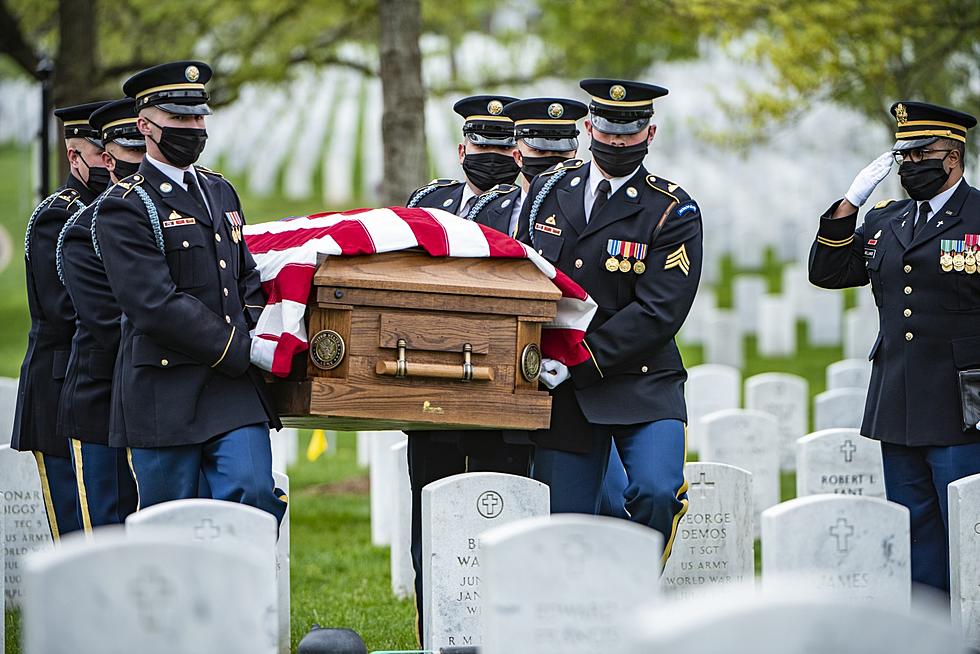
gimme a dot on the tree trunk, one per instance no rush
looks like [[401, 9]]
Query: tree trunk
[[75, 72], [403, 119]]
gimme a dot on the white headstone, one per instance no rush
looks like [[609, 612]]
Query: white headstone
[[695, 326], [747, 292], [402, 572], [363, 449], [156, 595], [383, 484], [282, 568], [456, 511], [714, 544], [841, 462], [285, 447], [777, 327], [839, 408], [860, 331], [964, 556], [796, 288], [566, 584], [3, 559], [723, 340], [25, 522], [854, 547], [786, 397], [849, 373], [8, 406], [709, 388], [823, 312], [749, 440]]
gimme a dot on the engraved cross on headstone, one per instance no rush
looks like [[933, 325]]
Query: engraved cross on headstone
[[842, 531], [848, 449], [151, 592], [703, 485], [207, 530]]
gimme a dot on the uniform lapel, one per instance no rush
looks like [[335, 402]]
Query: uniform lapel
[[495, 217], [209, 187], [171, 194], [946, 217], [902, 225], [456, 196], [620, 204], [571, 200]]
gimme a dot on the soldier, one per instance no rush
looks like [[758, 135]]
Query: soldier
[[53, 321], [920, 256], [174, 255], [633, 241], [487, 158], [106, 490]]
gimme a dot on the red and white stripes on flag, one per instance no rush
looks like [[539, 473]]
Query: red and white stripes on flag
[[286, 254]]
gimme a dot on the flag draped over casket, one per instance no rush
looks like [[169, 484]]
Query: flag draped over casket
[[286, 253]]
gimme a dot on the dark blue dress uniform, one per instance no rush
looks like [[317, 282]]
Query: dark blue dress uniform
[[929, 331], [42, 374], [492, 208], [639, 257], [102, 471], [185, 399]]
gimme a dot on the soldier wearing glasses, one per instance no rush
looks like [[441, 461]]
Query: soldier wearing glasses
[[920, 256]]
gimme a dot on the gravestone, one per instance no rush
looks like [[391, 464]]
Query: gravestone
[[747, 293], [402, 572], [860, 331], [849, 373], [841, 462], [25, 524], [456, 511], [964, 556], [838, 409], [152, 595], [709, 388], [566, 584], [282, 568], [824, 312], [723, 340], [777, 327], [714, 544], [796, 288], [748, 440], [856, 548], [3, 559], [384, 486], [285, 447], [8, 406], [363, 449], [785, 397], [693, 331]]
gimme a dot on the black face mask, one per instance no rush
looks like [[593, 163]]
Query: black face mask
[[487, 169], [923, 179], [124, 169], [181, 145], [618, 161], [98, 178], [534, 166]]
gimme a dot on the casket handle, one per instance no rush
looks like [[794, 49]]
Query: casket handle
[[402, 368]]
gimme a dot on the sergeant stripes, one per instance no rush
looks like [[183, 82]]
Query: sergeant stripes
[[678, 259]]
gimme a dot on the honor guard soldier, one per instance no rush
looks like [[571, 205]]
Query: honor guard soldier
[[633, 241], [487, 157], [920, 256], [53, 321], [186, 400], [106, 490]]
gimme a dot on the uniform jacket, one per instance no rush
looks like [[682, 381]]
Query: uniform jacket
[[189, 294], [52, 325], [928, 320], [635, 373], [492, 208]]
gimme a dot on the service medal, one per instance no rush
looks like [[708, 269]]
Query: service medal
[[612, 264], [625, 266], [945, 256], [639, 267], [958, 262]]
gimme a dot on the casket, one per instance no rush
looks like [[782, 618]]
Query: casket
[[407, 341]]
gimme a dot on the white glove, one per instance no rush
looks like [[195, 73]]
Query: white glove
[[553, 372], [864, 184]]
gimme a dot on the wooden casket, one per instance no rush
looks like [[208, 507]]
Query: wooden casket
[[408, 341]]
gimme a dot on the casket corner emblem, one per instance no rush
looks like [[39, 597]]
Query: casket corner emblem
[[531, 362], [327, 349]]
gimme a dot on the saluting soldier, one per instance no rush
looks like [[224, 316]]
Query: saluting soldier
[[920, 256], [185, 399], [487, 157], [106, 490], [633, 241], [53, 321]]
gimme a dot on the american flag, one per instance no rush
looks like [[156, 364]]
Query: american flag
[[286, 253]]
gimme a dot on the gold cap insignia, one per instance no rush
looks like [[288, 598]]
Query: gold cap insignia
[[192, 73], [555, 110], [617, 92], [902, 114], [495, 107]]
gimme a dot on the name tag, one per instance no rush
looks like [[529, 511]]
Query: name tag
[[547, 229], [179, 221], [869, 253]]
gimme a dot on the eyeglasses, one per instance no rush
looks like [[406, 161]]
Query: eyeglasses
[[916, 155]]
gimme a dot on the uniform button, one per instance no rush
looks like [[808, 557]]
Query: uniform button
[[908, 289], [644, 369], [908, 336], [228, 319], [907, 312], [908, 268], [186, 244], [578, 263], [540, 251], [225, 291], [224, 265], [217, 237], [164, 362]]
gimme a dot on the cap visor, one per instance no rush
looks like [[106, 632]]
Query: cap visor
[[96, 142], [912, 144], [130, 144], [552, 145], [185, 109], [497, 141], [607, 126]]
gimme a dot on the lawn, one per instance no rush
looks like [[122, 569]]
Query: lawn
[[338, 577]]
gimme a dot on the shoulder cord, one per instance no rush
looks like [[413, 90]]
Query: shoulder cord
[[30, 221], [154, 217], [538, 199]]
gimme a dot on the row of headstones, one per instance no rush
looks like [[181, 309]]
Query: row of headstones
[[712, 388], [159, 588]]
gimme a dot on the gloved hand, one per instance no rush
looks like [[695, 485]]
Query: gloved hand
[[553, 372], [864, 184]]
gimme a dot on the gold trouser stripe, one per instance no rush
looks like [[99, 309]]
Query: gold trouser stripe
[[680, 514], [132, 471], [76, 448], [227, 345], [594, 362], [835, 244], [46, 492]]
